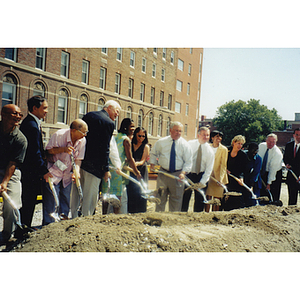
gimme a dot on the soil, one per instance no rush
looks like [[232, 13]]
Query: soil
[[266, 228]]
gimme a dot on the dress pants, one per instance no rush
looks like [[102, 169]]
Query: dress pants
[[198, 204], [275, 186], [172, 188], [14, 191], [293, 188], [49, 203]]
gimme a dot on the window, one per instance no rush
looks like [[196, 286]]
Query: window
[[150, 124], [161, 99], [163, 74], [164, 54], [170, 102], [152, 95], [85, 72], [188, 89], [9, 90], [62, 106], [180, 64], [179, 85], [11, 53], [159, 128], [132, 59], [39, 89], [102, 78], [100, 104], [129, 112], [64, 64], [185, 129], [82, 105], [40, 58], [119, 54], [190, 70], [155, 51], [144, 61], [130, 88], [177, 107], [191, 50], [104, 50], [172, 58], [168, 126], [187, 110], [142, 92], [117, 83], [140, 118], [154, 70]]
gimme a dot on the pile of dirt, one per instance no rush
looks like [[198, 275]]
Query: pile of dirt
[[257, 229]]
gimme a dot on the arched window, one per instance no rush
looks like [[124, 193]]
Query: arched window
[[101, 103], [150, 124], [9, 88], [168, 126], [62, 106], [39, 89], [82, 105], [140, 118], [129, 112], [159, 128]]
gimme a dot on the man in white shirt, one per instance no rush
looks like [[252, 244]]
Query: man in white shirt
[[271, 171], [203, 163], [161, 154]]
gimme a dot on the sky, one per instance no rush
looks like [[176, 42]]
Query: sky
[[271, 75]]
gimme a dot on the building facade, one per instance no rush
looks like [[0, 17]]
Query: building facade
[[153, 86]]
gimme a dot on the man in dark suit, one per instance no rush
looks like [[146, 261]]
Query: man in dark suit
[[291, 159], [34, 167], [95, 163]]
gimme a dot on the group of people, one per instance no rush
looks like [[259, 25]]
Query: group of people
[[103, 162]]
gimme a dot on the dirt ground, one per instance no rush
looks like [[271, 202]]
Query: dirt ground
[[257, 229]]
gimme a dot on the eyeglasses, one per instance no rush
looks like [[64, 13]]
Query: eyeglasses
[[141, 136], [84, 133]]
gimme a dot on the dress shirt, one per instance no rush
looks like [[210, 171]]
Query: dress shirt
[[274, 162], [39, 122], [114, 153], [207, 159], [160, 153], [62, 138]]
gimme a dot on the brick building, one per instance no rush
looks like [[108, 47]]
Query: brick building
[[154, 86]]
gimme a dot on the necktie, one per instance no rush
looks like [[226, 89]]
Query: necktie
[[295, 150], [198, 160], [264, 163], [172, 158]]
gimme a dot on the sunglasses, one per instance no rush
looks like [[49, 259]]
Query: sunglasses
[[141, 136]]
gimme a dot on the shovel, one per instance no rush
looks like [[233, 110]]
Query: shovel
[[145, 193], [78, 185], [55, 214], [23, 228], [226, 194], [294, 175], [111, 198], [188, 182]]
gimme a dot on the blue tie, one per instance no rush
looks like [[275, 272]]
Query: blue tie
[[264, 163], [172, 158]]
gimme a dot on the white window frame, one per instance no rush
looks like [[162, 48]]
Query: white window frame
[[129, 112], [140, 118], [163, 73], [188, 89], [170, 102], [119, 54], [142, 92], [172, 58], [40, 56], [154, 70], [63, 109], [130, 88], [13, 89], [82, 109], [190, 70], [104, 51], [178, 107], [144, 64], [152, 95], [150, 124], [102, 78], [161, 98], [159, 125], [179, 85], [132, 59], [180, 64], [164, 53], [187, 109], [85, 72], [64, 64], [168, 126], [14, 54], [117, 83]]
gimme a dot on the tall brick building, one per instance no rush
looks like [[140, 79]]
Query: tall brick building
[[154, 86]]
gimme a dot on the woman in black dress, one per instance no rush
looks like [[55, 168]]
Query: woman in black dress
[[140, 151]]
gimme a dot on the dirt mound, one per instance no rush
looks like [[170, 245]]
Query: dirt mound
[[257, 229]]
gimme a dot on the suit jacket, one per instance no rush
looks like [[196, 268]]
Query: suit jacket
[[101, 128], [34, 163], [288, 157]]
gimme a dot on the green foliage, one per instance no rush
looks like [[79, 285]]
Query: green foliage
[[251, 119]]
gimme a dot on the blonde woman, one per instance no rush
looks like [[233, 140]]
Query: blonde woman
[[214, 190]]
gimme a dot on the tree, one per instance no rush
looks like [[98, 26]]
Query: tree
[[251, 119]]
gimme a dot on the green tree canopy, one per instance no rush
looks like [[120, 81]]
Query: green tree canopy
[[251, 119]]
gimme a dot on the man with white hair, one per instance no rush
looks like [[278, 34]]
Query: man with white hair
[[95, 163], [271, 170], [174, 155]]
